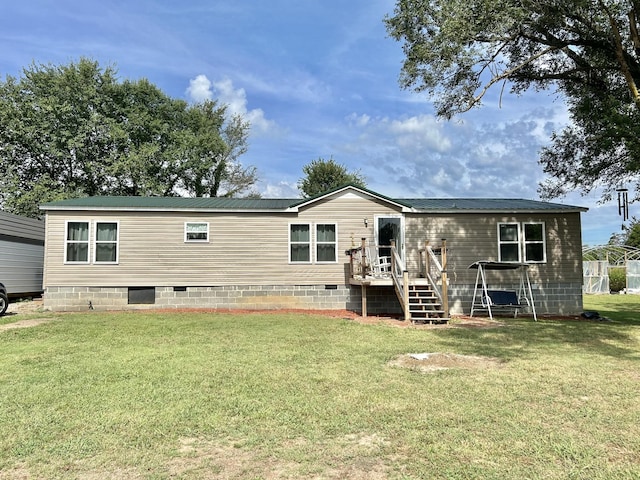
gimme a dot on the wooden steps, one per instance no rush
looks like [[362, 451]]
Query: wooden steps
[[424, 305]]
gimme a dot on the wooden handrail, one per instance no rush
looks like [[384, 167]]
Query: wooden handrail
[[400, 277], [435, 270]]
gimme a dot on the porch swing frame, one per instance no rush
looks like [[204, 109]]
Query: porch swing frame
[[491, 300]]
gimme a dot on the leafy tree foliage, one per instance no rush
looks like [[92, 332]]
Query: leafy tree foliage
[[76, 130], [589, 50], [633, 234], [629, 236], [323, 175]]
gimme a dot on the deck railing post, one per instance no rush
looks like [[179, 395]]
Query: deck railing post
[[351, 271], [427, 260], [405, 294], [445, 294], [393, 257], [363, 257]]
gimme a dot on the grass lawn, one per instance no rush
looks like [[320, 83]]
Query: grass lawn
[[286, 396]]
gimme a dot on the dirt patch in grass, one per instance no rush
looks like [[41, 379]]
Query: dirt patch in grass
[[433, 362], [355, 456], [17, 310], [25, 323], [20, 308]]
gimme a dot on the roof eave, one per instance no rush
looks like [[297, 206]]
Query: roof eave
[[77, 208], [516, 211], [405, 208]]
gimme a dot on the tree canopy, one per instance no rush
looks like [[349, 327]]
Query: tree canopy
[[589, 50], [323, 175], [76, 130]]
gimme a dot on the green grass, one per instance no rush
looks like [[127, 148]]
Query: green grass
[[265, 396]]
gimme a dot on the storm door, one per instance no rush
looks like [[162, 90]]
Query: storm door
[[388, 229]]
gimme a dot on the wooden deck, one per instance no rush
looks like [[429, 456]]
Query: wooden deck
[[423, 305], [422, 298]]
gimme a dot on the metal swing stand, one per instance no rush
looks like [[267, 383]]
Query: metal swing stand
[[491, 300]]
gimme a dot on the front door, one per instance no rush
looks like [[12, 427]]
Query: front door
[[388, 229]]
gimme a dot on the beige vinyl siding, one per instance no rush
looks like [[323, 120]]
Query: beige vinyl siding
[[473, 237], [243, 248], [349, 212], [253, 248]]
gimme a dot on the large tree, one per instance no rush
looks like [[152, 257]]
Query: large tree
[[322, 175], [77, 130], [589, 50]]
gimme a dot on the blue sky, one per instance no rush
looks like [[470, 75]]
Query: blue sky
[[316, 78]]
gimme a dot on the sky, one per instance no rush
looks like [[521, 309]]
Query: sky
[[316, 79]]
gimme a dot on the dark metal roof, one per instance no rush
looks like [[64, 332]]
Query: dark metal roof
[[487, 204], [433, 205], [306, 201], [171, 203]]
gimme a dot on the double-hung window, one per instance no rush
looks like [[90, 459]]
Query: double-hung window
[[77, 242], [518, 242], [106, 243], [534, 243], [326, 243], [300, 243], [196, 232], [313, 243]]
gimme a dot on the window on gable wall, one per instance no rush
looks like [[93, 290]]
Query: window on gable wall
[[77, 242], [534, 242], [299, 243], [326, 243], [522, 242], [106, 243]]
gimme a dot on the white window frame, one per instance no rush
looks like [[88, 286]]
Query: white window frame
[[526, 242], [510, 242], [318, 243], [96, 242], [309, 243], [67, 242], [195, 240], [522, 242]]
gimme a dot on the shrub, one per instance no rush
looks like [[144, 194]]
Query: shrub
[[617, 279]]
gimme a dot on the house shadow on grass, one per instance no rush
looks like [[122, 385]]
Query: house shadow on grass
[[525, 338]]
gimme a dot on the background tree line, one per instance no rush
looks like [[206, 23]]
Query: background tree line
[[77, 130]]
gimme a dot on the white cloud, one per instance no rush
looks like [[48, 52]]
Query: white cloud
[[282, 189], [422, 132], [408, 137], [201, 89], [430, 157]]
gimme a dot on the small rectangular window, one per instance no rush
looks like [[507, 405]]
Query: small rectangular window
[[196, 232], [299, 243], [106, 243], [508, 242], [77, 242], [326, 243]]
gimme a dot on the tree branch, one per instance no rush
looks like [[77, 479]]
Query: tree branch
[[506, 75], [633, 28], [620, 56]]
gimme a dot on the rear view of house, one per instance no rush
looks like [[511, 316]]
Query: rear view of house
[[21, 254], [138, 252]]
